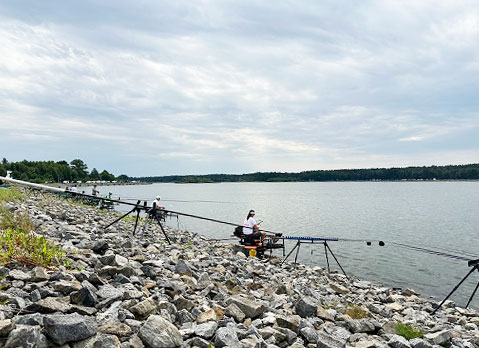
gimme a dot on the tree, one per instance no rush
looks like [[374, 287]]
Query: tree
[[104, 175], [94, 174], [122, 178], [80, 169]]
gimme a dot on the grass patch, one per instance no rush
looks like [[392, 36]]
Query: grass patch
[[356, 312], [11, 195], [133, 219], [19, 221], [25, 247], [408, 332]]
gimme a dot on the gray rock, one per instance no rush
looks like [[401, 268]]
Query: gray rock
[[439, 337], [234, 311], [100, 340], [18, 275], [49, 305], [34, 319], [227, 337], [69, 328], [144, 308], [361, 325], [184, 316], [290, 322], [251, 309], [206, 330], [306, 307], [26, 337], [419, 343], [182, 268], [157, 332], [397, 341], [326, 341], [6, 326], [86, 296], [309, 334]]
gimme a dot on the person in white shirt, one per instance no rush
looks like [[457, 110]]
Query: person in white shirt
[[156, 203], [251, 229]]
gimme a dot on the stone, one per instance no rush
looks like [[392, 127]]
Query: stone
[[361, 325], [69, 328], [206, 330], [309, 334], [323, 314], [396, 307], [235, 312], [251, 309], [439, 337], [397, 341], [100, 247], [182, 268], [66, 287], [306, 307], [39, 274], [18, 275], [144, 308], [116, 328], [109, 292], [227, 337], [100, 340], [26, 336], [208, 315], [158, 332], [326, 341], [290, 322], [86, 296], [419, 343], [49, 305], [6, 326], [339, 289]]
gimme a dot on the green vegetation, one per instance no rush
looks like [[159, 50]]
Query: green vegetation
[[460, 172], [25, 247], [10, 195], [356, 312], [50, 171], [19, 243], [408, 332]]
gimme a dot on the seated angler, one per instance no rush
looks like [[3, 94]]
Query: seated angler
[[251, 229]]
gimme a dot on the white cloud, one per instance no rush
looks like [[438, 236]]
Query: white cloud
[[293, 85]]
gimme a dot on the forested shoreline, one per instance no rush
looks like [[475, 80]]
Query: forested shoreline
[[451, 172], [77, 170], [50, 171]]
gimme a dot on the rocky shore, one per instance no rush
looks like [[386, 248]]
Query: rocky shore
[[137, 291]]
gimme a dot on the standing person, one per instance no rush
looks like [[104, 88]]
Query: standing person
[[94, 191], [251, 229]]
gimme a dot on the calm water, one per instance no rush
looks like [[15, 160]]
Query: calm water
[[442, 214]]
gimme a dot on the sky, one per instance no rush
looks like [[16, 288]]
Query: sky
[[149, 88]]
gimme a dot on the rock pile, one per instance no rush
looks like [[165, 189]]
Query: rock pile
[[137, 291]]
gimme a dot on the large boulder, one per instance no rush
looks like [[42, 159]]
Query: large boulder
[[251, 309], [306, 307], [69, 328], [26, 336], [157, 332]]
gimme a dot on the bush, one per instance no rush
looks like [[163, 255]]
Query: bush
[[356, 312], [408, 332], [26, 247]]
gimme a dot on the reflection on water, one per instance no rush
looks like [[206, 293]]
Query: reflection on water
[[442, 214]]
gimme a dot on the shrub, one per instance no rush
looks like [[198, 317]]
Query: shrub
[[26, 247], [408, 332], [356, 312]]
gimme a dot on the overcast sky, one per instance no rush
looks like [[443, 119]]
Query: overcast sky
[[196, 87]]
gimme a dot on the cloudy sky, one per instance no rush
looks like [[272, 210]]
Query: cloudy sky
[[196, 87]]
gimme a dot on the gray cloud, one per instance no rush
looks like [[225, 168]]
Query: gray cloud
[[179, 87]]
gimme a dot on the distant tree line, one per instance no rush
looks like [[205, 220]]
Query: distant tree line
[[456, 172], [50, 171]]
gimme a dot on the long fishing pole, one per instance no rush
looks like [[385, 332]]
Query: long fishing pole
[[277, 235]]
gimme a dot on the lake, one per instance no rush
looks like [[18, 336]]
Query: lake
[[439, 214]]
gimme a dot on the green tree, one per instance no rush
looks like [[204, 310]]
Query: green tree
[[104, 175], [122, 178], [80, 169], [94, 174]]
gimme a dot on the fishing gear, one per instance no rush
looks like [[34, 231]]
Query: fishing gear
[[475, 266]]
